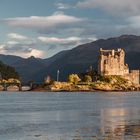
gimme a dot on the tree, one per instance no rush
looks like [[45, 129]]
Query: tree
[[74, 78], [87, 78], [91, 72], [7, 72], [13, 81]]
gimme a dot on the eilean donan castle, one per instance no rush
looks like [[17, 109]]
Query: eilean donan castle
[[112, 62]]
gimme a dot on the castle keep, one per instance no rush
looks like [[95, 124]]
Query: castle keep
[[112, 62]]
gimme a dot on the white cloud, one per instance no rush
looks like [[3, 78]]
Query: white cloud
[[118, 7], [47, 22], [22, 50], [36, 53], [12, 42], [71, 42], [17, 36], [62, 6], [54, 40], [2, 50]]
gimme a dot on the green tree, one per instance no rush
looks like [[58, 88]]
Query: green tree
[[7, 72], [74, 78], [87, 78]]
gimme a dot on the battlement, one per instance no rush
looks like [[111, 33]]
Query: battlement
[[133, 76], [118, 52], [135, 71]]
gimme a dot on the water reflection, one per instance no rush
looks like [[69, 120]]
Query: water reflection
[[120, 123], [115, 124], [66, 116]]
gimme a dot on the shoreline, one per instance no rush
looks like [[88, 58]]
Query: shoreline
[[71, 91], [83, 91], [69, 87]]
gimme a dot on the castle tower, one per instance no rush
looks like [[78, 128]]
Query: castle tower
[[112, 62]]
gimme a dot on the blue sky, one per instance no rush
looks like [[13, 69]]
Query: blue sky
[[41, 28]]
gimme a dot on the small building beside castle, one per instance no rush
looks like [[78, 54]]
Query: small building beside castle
[[112, 62]]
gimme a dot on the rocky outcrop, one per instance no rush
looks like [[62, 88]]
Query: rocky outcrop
[[116, 83], [66, 86]]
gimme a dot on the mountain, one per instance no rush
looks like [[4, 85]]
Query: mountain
[[80, 58], [75, 60], [52, 59], [25, 67], [29, 68]]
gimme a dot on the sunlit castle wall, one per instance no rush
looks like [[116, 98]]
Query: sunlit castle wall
[[133, 76]]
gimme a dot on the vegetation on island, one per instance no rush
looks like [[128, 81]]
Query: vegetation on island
[[8, 74], [10, 81], [74, 78], [88, 81], [8, 71], [114, 83], [91, 81]]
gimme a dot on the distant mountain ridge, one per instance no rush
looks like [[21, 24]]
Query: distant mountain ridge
[[75, 60], [28, 67]]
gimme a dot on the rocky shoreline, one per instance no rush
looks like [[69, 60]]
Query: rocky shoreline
[[113, 86], [91, 87]]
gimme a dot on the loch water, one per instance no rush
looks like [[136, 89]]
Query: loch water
[[69, 116]]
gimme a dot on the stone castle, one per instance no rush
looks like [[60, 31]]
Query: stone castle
[[112, 62]]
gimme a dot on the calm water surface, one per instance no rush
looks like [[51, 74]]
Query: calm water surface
[[69, 116]]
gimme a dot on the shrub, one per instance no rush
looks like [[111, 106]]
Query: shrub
[[87, 78], [74, 78]]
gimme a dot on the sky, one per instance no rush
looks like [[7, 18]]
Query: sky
[[42, 28]]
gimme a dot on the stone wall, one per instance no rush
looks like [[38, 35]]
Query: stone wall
[[133, 76]]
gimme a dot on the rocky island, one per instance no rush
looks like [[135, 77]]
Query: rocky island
[[112, 75]]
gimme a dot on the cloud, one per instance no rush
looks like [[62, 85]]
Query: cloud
[[58, 23], [12, 42], [22, 50], [35, 52], [62, 6], [130, 25], [54, 42], [117, 7], [58, 19], [134, 21], [17, 36]]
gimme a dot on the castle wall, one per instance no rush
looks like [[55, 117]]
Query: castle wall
[[133, 76]]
